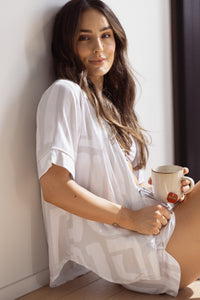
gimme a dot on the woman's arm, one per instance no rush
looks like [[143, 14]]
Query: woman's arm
[[59, 189]]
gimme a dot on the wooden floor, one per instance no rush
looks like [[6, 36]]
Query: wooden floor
[[91, 287]]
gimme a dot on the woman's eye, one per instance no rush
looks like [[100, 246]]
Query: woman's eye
[[106, 35], [83, 38]]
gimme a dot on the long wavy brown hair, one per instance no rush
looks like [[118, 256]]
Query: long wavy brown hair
[[116, 106]]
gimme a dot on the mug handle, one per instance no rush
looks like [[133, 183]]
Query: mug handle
[[191, 183]]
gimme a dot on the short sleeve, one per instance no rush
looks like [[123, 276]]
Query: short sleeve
[[58, 127]]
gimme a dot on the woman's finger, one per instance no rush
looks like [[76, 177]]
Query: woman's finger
[[185, 182], [161, 219], [182, 198], [164, 221], [165, 212], [150, 180], [185, 186], [185, 170]]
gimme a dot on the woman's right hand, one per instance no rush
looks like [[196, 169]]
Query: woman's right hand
[[148, 220]]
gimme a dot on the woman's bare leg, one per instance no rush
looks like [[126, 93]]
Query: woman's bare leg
[[184, 244]]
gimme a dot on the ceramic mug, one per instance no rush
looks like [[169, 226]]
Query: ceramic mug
[[166, 183]]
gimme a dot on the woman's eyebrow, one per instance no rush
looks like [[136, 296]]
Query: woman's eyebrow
[[90, 31], [105, 28]]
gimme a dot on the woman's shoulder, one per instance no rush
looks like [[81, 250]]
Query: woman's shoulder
[[63, 95], [63, 90], [64, 85]]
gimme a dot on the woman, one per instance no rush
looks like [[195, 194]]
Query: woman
[[87, 138]]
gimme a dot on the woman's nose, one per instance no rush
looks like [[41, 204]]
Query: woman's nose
[[98, 45]]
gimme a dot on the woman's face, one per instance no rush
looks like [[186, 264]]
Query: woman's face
[[95, 44]]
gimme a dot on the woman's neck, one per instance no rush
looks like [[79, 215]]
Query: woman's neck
[[98, 83]]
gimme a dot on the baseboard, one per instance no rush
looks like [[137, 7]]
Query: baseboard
[[25, 286]]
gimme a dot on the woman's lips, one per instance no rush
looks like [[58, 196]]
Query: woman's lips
[[98, 61]]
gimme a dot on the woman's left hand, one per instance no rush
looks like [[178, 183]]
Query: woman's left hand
[[184, 184]]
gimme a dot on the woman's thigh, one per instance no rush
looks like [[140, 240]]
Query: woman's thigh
[[184, 244]]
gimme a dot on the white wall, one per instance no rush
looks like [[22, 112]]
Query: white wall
[[25, 73], [147, 25]]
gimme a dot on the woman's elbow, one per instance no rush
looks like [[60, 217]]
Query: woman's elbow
[[48, 186], [53, 184], [46, 190]]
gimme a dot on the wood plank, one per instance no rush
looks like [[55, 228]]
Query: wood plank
[[97, 290], [91, 287], [47, 293]]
